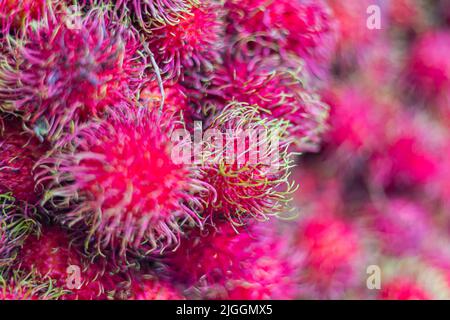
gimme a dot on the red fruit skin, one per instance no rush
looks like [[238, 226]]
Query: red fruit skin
[[403, 289], [16, 14], [149, 288], [302, 27], [49, 255], [224, 264], [64, 74], [402, 226], [19, 154], [332, 254], [191, 44], [119, 178], [278, 94], [428, 66]]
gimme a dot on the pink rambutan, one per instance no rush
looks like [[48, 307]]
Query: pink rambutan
[[303, 27], [403, 289], [17, 14], [154, 13], [333, 252], [222, 264], [62, 73], [119, 178], [356, 122], [191, 44], [176, 104], [50, 254], [18, 156], [402, 226], [429, 67], [279, 93], [247, 166], [148, 287]]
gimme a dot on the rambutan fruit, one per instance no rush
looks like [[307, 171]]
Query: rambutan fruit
[[402, 226], [428, 67], [49, 254], [176, 104], [119, 179], [18, 286], [279, 93], [147, 287], [303, 27], [19, 154], [403, 289], [154, 13], [247, 164], [62, 74], [191, 44], [17, 14], [219, 263], [333, 252]]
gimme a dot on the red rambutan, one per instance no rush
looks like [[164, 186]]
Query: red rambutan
[[403, 289], [332, 253], [222, 264], [64, 73], [278, 92], [17, 14], [50, 254], [247, 164], [119, 178], [191, 44], [429, 67], [303, 27]]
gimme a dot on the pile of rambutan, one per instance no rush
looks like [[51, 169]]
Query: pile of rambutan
[[173, 149]]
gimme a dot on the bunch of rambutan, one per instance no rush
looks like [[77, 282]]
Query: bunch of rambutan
[[133, 132]]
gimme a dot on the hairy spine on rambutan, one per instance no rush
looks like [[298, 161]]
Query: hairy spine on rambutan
[[54, 254], [219, 263], [193, 44], [303, 27], [246, 161], [16, 285], [119, 179], [69, 69], [280, 92], [153, 13]]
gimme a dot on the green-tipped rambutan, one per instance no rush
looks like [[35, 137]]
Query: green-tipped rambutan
[[64, 72], [247, 163]]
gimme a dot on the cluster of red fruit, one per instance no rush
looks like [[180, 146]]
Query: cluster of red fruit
[[94, 205]]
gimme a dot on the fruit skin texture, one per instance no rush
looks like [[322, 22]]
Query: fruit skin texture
[[61, 74], [17, 14], [222, 264], [403, 289], [192, 44], [332, 253], [249, 183], [50, 253], [146, 287], [118, 178], [19, 154], [302, 27], [429, 66], [282, 94]]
